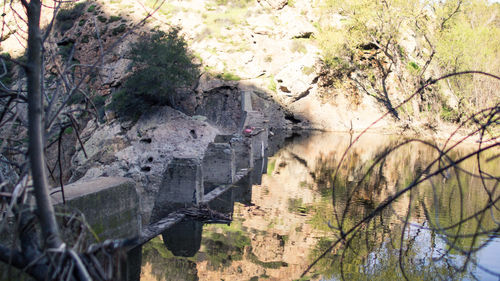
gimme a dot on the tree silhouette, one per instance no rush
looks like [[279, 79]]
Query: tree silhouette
[[461, 217], [26, 89]]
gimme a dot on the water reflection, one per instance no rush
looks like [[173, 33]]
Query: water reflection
[[184, 238], [446, 228]]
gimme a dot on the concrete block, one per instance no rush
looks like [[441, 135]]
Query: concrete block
[[246, 101], [110, 204], [259, 136], [243, 152], [182, 186], [218, 165], [242, 147]]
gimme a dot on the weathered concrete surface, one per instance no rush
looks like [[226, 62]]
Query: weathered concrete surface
[[246, 101], [182, 186], [259, 136], [242, 146], [110, 205], [243, 152], [218, 165]]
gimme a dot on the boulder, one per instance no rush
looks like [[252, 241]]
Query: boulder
[[296, 26], [296, 78]]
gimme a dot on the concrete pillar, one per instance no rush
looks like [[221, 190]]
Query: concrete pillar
[[242, 146], [246, 101], [218, 165], [260, 133], [243, 152], [182, 186], [110, 205]]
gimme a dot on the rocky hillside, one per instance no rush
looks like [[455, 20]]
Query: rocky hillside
[[270, 48]]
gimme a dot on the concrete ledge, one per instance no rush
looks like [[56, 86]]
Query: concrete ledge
[[109, 204]]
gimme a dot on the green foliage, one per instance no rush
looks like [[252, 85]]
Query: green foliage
[[76, 98], [67, 16], [162, 64], [228, 76], [298, 47], [119, 29], [447, 36], [65, 50], [102, 18], [234, 3], [272, 84], [166, 9], [114, 18], [68, 130], [450, 115], [99, 102], [91, 8], [85, 38], [471, 41]]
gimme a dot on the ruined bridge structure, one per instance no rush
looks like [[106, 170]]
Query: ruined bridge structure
[[203, 189]]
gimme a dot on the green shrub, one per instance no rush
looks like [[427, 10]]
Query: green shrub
[[449, 114], [65, 50], [229, 76], [114, 18], [67, 16], [102, 18], [117, 30], [162, 64], [76, 98], [91, 8], [298, 47], [99, 102], [85, 38]]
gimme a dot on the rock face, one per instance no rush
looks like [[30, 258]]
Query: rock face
[[275, 4], [222, 106], [143, 152], [295, 80], [182, 186]]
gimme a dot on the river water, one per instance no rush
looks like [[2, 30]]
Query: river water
[[300, 222]]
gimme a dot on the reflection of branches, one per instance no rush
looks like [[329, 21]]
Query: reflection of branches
[[463, 235]]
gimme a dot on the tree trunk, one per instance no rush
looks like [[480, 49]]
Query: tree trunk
[[45, 210]]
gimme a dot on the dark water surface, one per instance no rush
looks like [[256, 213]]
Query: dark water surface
[[445, 228]]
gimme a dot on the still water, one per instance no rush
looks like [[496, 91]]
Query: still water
[[300, 222]]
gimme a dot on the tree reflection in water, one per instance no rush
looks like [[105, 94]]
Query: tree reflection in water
[[419, 217]]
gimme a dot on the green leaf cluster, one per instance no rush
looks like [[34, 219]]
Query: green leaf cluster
[[162, 63], [66, 17], [417, 40]]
